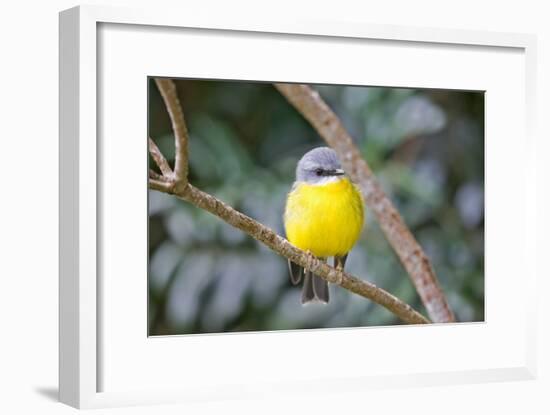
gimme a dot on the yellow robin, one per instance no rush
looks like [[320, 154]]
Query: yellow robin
[[324, 216]]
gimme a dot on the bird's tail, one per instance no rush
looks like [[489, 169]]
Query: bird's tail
[[315, 289]]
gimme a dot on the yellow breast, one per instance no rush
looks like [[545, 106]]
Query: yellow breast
[[325, 219]]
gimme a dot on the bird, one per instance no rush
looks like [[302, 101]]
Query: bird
[[323, 216]]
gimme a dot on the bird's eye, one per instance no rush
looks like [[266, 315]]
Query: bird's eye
[[319, 172]]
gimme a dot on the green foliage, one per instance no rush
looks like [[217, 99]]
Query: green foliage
[[425, 146]]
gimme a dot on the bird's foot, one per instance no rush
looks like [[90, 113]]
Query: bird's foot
[[340, 268], [310, 260]]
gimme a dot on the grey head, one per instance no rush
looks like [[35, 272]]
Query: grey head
[[318, 166]]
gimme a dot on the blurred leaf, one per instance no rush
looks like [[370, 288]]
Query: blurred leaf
[[233, 279], [419, 115], [184, 299], [164, 261], [180, 226], [226, 157], [160, 202]]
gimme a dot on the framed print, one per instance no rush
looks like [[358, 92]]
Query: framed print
[[203, 160]]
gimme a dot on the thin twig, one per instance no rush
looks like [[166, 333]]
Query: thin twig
[[181, 136], [310, 104], [159, 159], [154, 175], [284, 248], [161, 185]]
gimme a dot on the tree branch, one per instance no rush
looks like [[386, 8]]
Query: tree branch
[[161, 162], [181, 136], [310, 104], [178, 186]]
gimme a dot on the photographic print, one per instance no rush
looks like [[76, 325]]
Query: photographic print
[[378, 193]]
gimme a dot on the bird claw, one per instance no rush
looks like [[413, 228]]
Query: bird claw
[[339, 266], [310, 259]]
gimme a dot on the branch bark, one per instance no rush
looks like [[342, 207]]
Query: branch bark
[[162, 164], [181, 136], [179, 186], [310, 104]]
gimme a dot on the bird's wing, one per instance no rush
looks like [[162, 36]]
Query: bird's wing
[[307, 290], [296, 272]]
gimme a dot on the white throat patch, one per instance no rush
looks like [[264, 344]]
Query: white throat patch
[[327, 179]]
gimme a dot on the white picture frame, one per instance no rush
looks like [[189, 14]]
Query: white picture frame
[[83, 350]]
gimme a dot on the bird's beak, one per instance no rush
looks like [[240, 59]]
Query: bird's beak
[[339, 172]]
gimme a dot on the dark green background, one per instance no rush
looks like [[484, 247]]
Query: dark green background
[[425, 146]]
